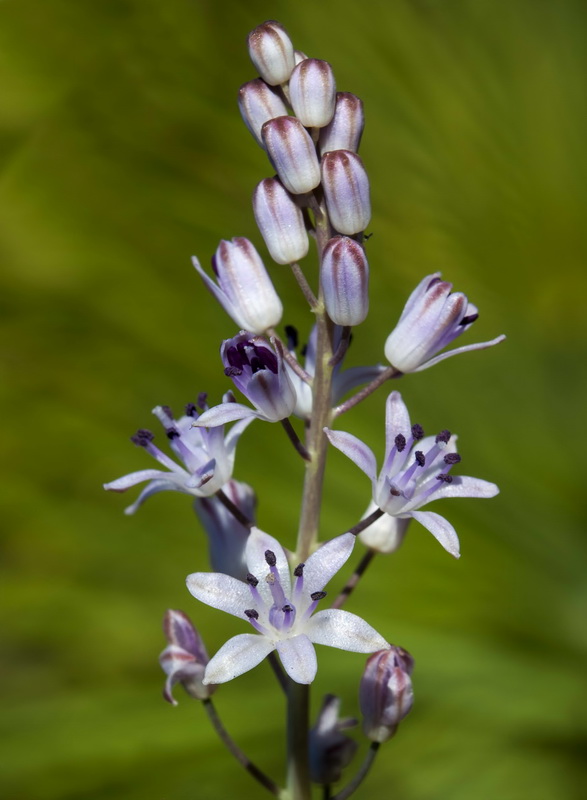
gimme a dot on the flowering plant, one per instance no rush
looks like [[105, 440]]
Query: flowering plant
[[311, 135]]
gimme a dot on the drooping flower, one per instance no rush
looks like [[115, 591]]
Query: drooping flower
[[342, 380], [207, 457], [432, 318], [385, 693], [330, 749], [258, 372], [415, 471], [282, 613], [184, 660]]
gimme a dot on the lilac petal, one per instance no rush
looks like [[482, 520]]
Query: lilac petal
[[344, 630], [465, 349], [202, 475], [154, 487], [298, 658], [223, 413], [235, 433], [218, 293], [238, 655], [257, 544], [415, 298], [124, 483], [326, 562], [350, 378], [465, 486], [354, 449], [441, 529], [397, 421], [220, 591]]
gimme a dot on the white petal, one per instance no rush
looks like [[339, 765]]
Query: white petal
[[298, 658], [223, 413], [326, 562], [220, 591], [257, 543], [385, 534], [153, 488], [344, 630], [441, 529], [238, 655], [465, 349], [348, 379], [218, 293], [464, 486], [354, 449], [235, 433], [124, 483], [397, 420]]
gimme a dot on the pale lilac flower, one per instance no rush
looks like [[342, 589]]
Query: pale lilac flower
[[330, 749], [227, 537], [271, 51], [342, 380], [432, 318], [282, 613], [184, 660], [385, 694], [258, 372], [207, 457], [244, 288], [415, 471]]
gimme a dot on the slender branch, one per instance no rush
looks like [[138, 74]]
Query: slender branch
[[294, 439], [354, 579], [388, 372], [278, 671], [304, 285], [361, 774], [227, 740], [234, 509], [364, 523]]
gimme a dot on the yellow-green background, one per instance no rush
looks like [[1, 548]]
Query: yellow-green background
[[122, 153]]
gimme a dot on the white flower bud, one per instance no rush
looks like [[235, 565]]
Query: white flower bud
[[292, 154], [385, 692], [312, 91], [272, 53], [345, 281], [258, 103], [346, 188], [345, 129], [280, 221]]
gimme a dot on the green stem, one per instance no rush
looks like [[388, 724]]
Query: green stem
[[298, 769], [361, 774]]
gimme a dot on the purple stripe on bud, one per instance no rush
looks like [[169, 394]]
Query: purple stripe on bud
[[345, 281], [346, 187], [385, 693], [345, 129], [292, 154], [259, 103], [312, 91], [272, 53], [280, 221]]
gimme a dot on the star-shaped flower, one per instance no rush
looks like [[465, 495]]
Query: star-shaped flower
[[282, 613], [415, 471]]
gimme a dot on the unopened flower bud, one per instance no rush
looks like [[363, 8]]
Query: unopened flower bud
[[292, 154], [345, 281], [312, 91], [345, 129], [227, 537], [259, 103], [272, 52], [280, 221], [432, 318], [330, 749], [299, 56], [346, 187], [385, 693], [184, 660], [244, 288]]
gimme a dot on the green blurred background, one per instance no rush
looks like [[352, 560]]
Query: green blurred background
[[122, 153]]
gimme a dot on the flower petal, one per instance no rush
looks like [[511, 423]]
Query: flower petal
[[223, 413], [441, 529], [238, 655], [348, 379], [219, 294], [326, 562], [124, 483], [235, 433], [257, 544], [298, 658], [151, 488], [456, 351], [465, 486], [220, 591], [354, 449], [344, 630]]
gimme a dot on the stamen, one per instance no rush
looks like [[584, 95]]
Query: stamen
[[443, 436], [287, 608], [452, 458], [191, 410], [420, 458], [417, 432], [318, 596], [142, 437], [299, 570], [167, 410], [251, 580], [232, 372], [468, 320], [395, 491], [270, 558], [444, 477], [171, 433], [202, 400], [252, 613], [400, 442]]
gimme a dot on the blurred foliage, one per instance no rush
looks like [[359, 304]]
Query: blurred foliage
[[121, 154]]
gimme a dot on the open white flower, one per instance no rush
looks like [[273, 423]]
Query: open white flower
[[415, 472], [282, 613]]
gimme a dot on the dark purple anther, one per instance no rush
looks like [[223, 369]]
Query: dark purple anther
[[444, 477], [270, 558], [318, 596], [299, 570], [452, 458], [420, 458], [417, 432], [400, 442], [287, 608], [191, 410], [443, 436], [251, 580], [251, 613], [142, 437], [171, 433]]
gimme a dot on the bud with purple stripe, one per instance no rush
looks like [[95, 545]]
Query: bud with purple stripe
[[259, 103], [292, 154], [345, 281], [346, 187], [312, 91], [271, 52], [345, 129], [184, 660], [280, 222]]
